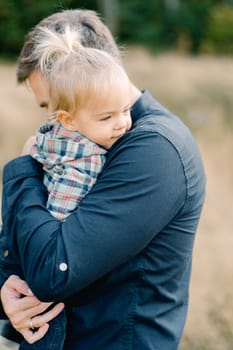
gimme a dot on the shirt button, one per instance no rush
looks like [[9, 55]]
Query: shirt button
[[58, 170], [5, 253], [63, 267]]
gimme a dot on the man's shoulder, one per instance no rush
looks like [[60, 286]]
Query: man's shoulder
[[154, 126], [151, 116]]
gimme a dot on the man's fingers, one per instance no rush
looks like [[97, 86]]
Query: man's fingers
[[13, 297], [40, 323], [22, 286], [40, 320], [31, 337], [36, 309], [37, 314], [22, 319], [27, 307]]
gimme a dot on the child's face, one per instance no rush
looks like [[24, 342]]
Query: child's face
[[105, 121]]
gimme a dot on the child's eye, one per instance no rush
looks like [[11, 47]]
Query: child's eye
[[127, 110], [107, 117]]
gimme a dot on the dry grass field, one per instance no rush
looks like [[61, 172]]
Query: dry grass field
[[200, 90]]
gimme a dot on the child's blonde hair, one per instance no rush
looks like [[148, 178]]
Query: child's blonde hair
[[77, 75]]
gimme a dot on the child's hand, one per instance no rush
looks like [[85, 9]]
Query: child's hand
[[28, 145]]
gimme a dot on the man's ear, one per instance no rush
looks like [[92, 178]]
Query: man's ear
[[66, 120]]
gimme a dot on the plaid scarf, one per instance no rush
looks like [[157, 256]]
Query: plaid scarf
[[71, 163]]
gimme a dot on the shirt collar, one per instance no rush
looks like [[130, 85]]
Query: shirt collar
[[146, 104]]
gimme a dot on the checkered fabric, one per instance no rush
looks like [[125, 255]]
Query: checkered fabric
[[71, 163]]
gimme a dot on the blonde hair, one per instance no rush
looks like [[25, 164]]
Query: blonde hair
[[76, 74], [92, 31]]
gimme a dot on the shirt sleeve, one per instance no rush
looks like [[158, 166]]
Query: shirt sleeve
[[7, 264], [141, 188]]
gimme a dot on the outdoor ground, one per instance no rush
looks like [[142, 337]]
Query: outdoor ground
[[200, 90]]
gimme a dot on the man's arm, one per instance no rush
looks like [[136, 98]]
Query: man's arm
[[8, 265], [134, 198]]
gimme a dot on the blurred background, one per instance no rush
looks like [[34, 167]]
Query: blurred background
[[182, 51]]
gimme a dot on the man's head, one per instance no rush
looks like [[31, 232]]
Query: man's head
[[91, 30]]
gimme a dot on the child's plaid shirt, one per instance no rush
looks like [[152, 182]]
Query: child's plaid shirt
[[71, 163]]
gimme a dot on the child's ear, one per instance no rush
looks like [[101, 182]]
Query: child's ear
[[66, 120]]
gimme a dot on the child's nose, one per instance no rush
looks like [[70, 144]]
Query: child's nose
[[121, 123]]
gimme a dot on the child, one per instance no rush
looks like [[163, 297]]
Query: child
[[89, 110]]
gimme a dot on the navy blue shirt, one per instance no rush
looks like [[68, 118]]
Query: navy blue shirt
[[122, 260]]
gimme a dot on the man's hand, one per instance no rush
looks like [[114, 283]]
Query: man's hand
[[23, 309]]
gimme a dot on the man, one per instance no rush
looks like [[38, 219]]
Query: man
[[122, 261]]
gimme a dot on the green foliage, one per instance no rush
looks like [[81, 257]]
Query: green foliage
[[17, 17], [191, 21], [219, 34], [140, 22], [160, 24]]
